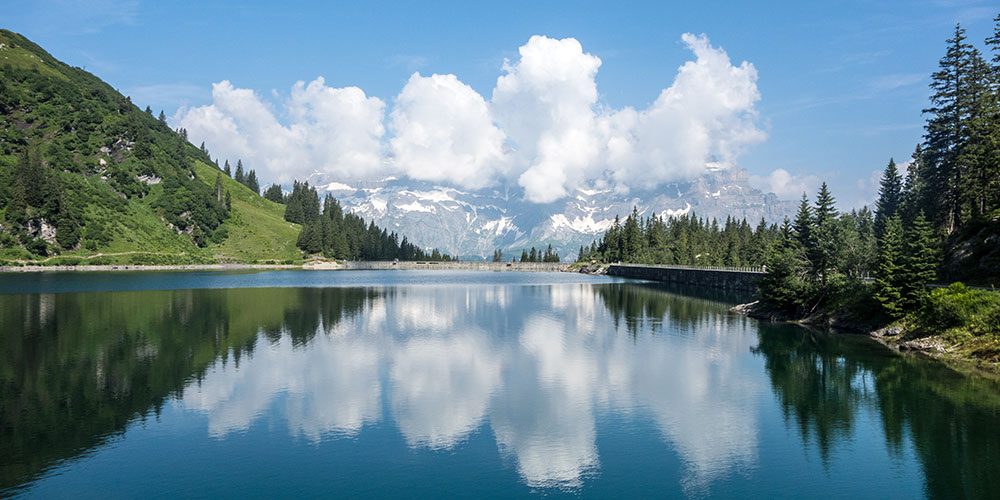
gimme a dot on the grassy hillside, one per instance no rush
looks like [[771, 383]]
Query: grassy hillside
[[87, 177], [257, 230]]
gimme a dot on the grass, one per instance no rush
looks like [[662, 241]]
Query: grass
[[258, 231]]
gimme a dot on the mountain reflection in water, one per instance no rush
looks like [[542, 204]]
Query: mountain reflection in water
[[540, 368]]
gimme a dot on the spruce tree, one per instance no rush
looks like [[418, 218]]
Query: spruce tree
[[824, 237], [274, 194], [227, 170], [947, 130], [889, 197], [919, 261], [889, 273], [803, 224], [240, 175], [251, 182]]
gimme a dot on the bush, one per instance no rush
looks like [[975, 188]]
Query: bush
[[959, 307]]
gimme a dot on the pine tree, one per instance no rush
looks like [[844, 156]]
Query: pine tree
[[804, 223], [240, 175], [227, 170], [149, 111], [524, 256], [163, 117], [251, 182], [889, 273], [889, 197], [275, 194], [919, 261], [947, 130], [824, 234]]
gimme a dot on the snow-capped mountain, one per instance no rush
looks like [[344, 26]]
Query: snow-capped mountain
[[473, 224]]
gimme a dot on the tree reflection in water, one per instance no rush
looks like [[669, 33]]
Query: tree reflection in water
[[536, 364]]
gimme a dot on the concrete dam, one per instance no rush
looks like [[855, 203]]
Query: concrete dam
[[728, 278]]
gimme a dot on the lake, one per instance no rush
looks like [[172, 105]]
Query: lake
[[403, 384]]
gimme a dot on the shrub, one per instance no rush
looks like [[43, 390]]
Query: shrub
[[961, 307]]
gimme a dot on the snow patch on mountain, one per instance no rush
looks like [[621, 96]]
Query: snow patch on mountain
[[586, 225]]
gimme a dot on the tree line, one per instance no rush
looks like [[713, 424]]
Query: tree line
[[535, 255], [327, 229]]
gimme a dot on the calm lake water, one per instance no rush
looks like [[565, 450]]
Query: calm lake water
[[461, 384]]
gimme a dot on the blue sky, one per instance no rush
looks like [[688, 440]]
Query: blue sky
[[841, 84]]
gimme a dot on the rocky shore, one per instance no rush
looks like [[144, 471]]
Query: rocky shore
[[893, 335]]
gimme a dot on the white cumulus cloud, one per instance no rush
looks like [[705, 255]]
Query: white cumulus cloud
[[785, 184], [442, 131], [333, 131], [545, 103], [544, 126]]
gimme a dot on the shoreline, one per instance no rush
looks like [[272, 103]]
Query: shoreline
[[890, 336], [138, 267]]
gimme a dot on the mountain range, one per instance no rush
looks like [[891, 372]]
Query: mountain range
[[472, 224]]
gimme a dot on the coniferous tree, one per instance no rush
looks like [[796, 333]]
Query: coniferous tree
[[274, 194], [889, 197], [919, 261], [947, 130], [804, 223], [227, 170], [889, 273], [251, 182], [824, 234], [524, 256], [163, 117], [240, 175]]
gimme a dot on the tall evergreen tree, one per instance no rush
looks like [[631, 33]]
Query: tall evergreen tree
[[919, 261], [824, 237], [889, 273], [227, 170], [889, 197], [240, 174], [274, 194], [803, 224], [251, 182], [947, 129]]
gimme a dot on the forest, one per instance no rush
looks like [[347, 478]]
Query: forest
[[340, 235]]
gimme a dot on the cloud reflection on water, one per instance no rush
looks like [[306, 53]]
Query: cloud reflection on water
[[535, 364]]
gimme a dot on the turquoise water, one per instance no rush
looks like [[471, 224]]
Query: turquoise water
[[461, 384]]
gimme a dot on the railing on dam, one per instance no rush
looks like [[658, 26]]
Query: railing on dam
[[748, 269]]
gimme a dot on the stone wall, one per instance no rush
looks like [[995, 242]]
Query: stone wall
[[468, 266], [744, 280]]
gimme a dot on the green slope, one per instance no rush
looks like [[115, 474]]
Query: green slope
[[257, 229], [87, 177]]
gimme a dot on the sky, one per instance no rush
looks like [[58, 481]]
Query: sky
[[552, 96]]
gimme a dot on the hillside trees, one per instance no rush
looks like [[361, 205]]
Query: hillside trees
[[346, 236]]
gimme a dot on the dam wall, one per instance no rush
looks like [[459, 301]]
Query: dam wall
[[465, 266], [736, 278]]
